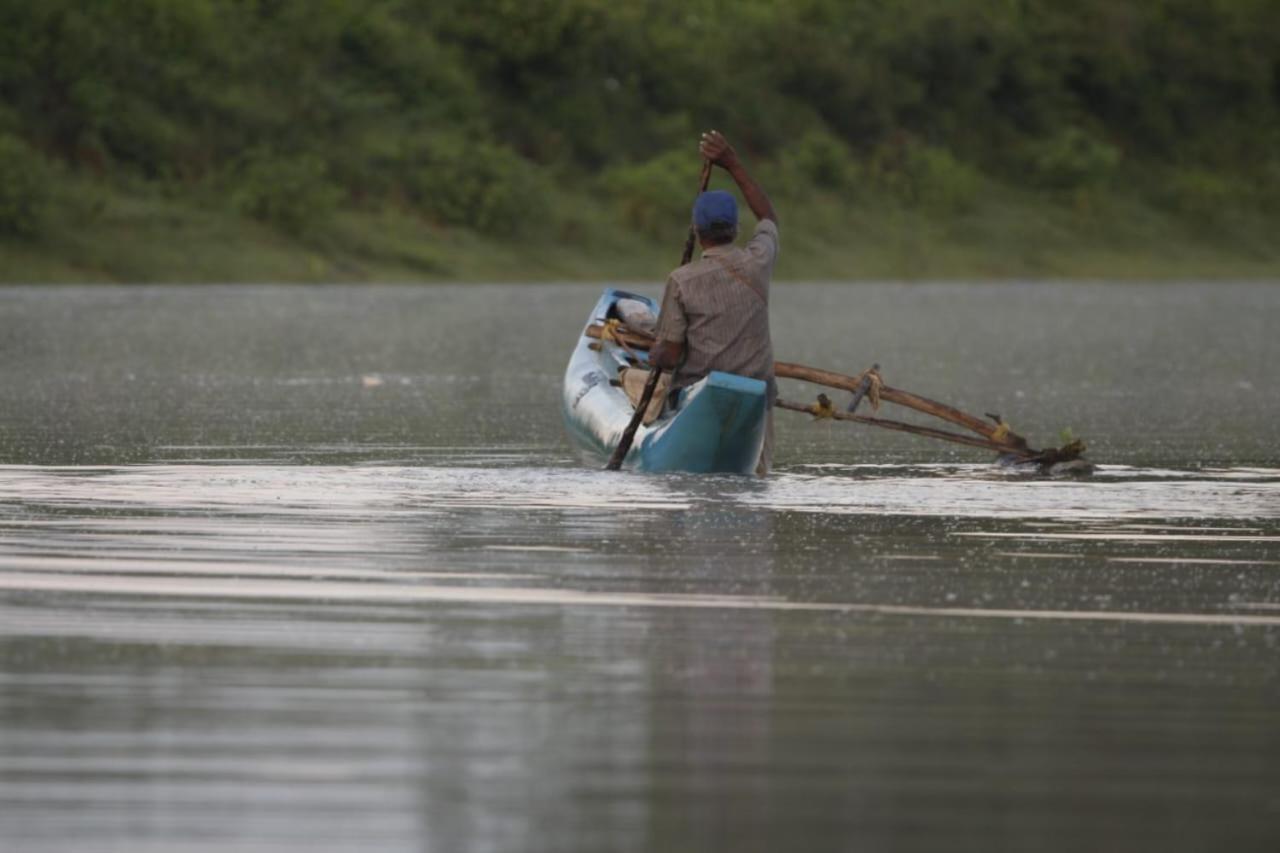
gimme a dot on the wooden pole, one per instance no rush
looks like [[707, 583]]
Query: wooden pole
[[629, 434], [787, 370], [899, 426]]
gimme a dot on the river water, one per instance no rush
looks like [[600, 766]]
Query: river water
[[315, 568]]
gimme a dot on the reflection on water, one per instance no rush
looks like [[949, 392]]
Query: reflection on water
[[249, 600]]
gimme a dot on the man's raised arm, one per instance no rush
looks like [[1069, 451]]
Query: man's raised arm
[[717, 149]]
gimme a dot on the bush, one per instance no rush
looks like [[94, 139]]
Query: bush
[[479, 185], [1267, 188], [1073, 159], [927, 177], [943, 183], [655, 197], [24, 188], [822, 160], [293, 194], [1198, 195]]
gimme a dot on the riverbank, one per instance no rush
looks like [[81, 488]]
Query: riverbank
[[451, 141], [137, 234]]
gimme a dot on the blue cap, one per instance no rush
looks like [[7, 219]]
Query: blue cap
[[716, 207]]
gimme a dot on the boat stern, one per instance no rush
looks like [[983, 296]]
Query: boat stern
[[719, 428]]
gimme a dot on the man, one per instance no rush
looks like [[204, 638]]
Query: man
[[715, 310]]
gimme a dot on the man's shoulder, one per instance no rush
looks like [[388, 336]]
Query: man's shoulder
[[767, 226], [766, 230]]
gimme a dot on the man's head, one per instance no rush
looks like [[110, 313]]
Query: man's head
[[715, 218]]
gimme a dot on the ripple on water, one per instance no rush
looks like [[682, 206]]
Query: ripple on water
[[396, 535]]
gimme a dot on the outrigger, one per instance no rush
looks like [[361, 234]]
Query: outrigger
[[716, 425]]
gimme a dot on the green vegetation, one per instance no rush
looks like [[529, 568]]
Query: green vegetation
[[193, 140]]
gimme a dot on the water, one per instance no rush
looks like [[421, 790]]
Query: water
[[315, 569]]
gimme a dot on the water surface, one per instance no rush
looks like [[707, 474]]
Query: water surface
[[316, 569]]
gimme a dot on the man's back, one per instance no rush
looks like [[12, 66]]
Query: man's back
[[719, 307]]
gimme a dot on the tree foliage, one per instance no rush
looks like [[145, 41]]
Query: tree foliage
[[465, 109], [24, 194]]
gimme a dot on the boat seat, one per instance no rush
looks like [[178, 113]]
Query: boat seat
[[633, 380]]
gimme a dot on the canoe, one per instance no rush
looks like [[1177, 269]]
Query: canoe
[[717, 425]]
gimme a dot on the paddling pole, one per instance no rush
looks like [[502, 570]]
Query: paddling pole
[[655, 373]]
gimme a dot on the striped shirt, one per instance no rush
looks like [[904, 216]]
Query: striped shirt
[[718, 307]]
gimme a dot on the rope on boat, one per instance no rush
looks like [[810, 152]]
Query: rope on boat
[[874, 384], [609, 332], [615, 331]]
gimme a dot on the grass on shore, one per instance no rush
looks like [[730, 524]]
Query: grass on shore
[[116, 234]]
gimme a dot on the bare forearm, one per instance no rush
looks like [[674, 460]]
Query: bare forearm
[[717, 149]]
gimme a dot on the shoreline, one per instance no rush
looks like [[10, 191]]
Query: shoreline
[[131, 237]]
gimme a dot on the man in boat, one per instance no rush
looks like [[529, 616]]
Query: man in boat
[[715, 310]]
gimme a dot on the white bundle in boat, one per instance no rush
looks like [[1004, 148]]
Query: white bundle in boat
[[636, 315]]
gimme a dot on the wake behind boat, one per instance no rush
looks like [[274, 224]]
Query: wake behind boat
[[714, 426]]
